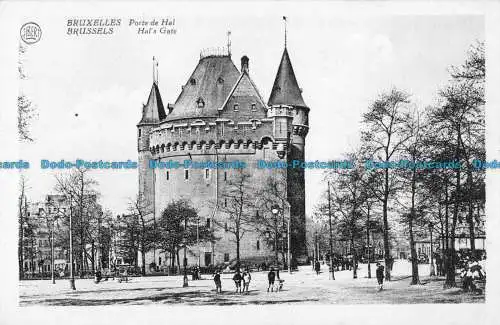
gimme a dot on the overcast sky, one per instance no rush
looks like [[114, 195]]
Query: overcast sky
[[342, 60]]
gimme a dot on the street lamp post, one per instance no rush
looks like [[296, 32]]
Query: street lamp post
[[289, 257], [185, 279], [52, 252], [433, 272], [71, 274], [275, 210], [330, 233]]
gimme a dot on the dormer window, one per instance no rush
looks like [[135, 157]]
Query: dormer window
[[220, 80], [192, 81], [236, 107], [200, 103], [253, 107]]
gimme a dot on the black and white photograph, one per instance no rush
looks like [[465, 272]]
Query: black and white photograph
[[197, 157]]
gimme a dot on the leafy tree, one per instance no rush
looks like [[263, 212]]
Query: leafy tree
[[179, 227]]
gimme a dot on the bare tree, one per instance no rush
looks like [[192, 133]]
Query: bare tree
[[383, 139], [26, 110], [141, 209], [22, 222], [347, 198], [272, 226], [79, 188], [237, 207]]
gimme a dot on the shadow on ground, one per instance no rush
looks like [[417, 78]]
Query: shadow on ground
[[189, 298]]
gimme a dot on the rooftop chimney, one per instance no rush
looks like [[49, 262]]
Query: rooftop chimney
[[244, 63]]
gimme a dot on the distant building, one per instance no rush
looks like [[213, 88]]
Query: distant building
[[43, 218]]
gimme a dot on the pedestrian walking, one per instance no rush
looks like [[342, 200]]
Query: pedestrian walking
[[317, 267], [237, 278], [437, 258], [271, 276], [218, 283], [246, 281], [380, 276]]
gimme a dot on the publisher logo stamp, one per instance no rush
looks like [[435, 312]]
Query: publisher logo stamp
[[31, 33]]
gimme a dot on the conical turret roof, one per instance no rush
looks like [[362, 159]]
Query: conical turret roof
[[153, 111], [286, 90]]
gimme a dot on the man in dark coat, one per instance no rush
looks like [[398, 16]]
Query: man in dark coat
[[380, 276], [271, 276], [317, 267], [237, 278]]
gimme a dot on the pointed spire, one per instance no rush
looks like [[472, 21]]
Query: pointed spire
[[286, 90], [153, 111]]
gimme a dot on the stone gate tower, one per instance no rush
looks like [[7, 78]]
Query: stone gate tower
[[220, 115]]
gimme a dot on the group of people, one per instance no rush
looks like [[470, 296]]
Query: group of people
[[471, 271], [242, 281]]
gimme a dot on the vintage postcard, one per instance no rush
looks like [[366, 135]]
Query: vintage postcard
[[270, 156]]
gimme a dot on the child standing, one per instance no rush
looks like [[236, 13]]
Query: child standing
[[246, 281], [218, 283]]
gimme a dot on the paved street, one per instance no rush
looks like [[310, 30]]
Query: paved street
[[304, 287]]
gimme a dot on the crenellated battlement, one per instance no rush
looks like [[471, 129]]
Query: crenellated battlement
[[218, 134]]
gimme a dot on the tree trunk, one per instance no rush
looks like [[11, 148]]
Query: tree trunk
[[143, 258], [414, 257], [386, 240], [93, 257], [276, 240], [21, 238], [178, 260], [450, 268], [237, 252], [470, 220], [368, 242], [354, 260]]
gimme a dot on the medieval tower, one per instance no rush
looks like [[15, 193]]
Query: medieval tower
[[220, 116]]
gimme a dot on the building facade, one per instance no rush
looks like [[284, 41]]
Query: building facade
[[220, 116]]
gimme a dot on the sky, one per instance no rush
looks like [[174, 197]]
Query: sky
[[342, 60]]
